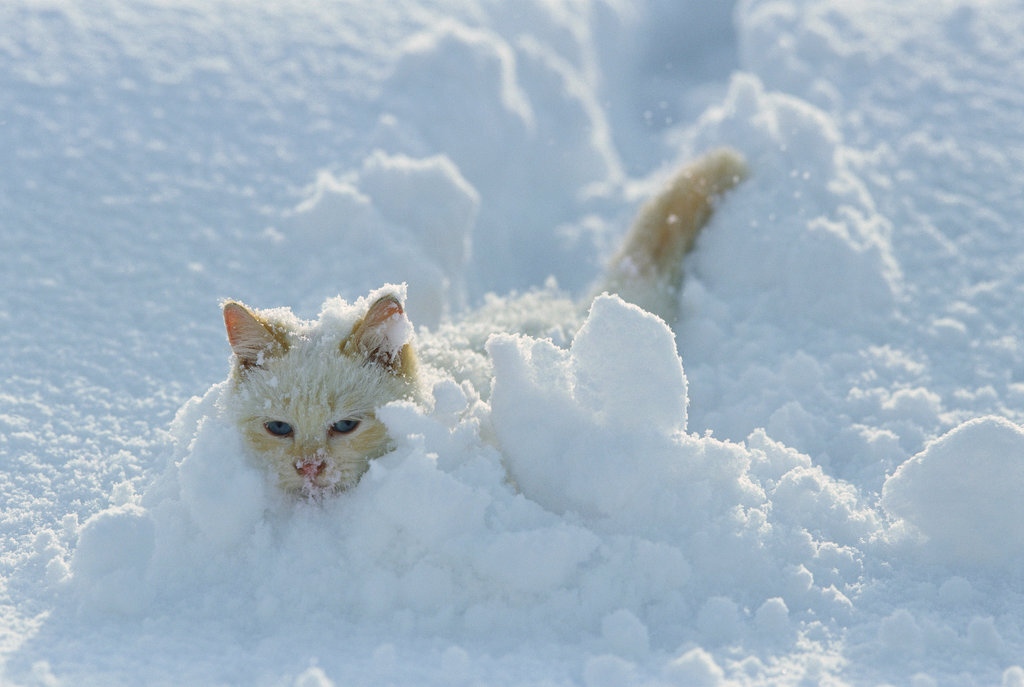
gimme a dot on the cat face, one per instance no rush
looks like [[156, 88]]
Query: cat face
[[305, 403]]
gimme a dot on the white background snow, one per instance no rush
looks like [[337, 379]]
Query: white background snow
[[826, 491]]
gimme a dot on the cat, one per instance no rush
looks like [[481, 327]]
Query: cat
[[305, 401]]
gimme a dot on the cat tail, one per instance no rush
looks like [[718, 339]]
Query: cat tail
[[648, 267]]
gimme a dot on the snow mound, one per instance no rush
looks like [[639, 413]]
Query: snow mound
[[800, 254], [553, 410], [617, 520], [807, 240], [619, 527], [114, 573], [396, 219], [962, 492], [469, 93]]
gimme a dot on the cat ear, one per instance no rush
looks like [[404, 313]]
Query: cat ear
[[382, 337], [250, 338]]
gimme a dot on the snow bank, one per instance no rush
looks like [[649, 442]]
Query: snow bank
[[807, 240], [396, 219], [470, 93]]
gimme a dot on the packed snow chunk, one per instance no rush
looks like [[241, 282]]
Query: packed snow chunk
[[129, 526], [627, 370], [110, 562], [963, 493], [224, 493], [592, 428]]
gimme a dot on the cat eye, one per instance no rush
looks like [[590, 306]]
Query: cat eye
[[278, 428], [344, 426]]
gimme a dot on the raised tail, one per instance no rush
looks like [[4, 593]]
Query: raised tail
[[648, 267]]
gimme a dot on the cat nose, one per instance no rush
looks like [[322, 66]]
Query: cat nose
[[311, 468]]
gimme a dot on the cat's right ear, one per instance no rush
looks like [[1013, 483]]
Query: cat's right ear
[[382, 337], [249, 337]]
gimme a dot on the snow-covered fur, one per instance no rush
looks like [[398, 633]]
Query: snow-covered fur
[[648, 268], [305, 397]]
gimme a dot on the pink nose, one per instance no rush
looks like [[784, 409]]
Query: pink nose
[[310, 469]]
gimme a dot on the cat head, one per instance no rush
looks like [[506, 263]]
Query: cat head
[[305, 399]]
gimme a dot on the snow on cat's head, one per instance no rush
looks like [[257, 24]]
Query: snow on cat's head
[[304, 395]]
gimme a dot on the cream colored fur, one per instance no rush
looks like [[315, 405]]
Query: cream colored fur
[[648, 268], [287, 374], [310, 380]]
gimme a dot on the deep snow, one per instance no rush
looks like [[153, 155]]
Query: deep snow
[[813, 480]]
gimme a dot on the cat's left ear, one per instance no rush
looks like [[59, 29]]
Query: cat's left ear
[[251, 339], [382, 337]]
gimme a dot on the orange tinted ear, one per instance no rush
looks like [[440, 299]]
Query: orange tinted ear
[[383, 310], [249, 337], [382, 336]]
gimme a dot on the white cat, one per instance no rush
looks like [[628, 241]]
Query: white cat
[[305, 398]]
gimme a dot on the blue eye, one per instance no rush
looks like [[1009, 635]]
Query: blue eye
[[344, 426], [278, 428]]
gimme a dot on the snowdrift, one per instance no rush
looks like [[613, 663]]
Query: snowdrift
[[811, 481], [595, 517]]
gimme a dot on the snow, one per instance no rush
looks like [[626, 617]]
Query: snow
[[969, 516], [812, 480]]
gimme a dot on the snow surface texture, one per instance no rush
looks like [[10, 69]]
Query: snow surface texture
[[814, 482]]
